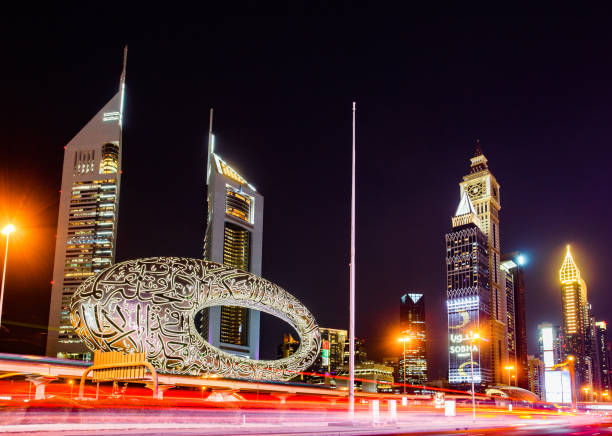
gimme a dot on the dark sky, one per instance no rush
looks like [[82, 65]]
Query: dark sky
[[534, 87]]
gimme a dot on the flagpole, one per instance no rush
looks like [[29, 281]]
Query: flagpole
[[352, 288]]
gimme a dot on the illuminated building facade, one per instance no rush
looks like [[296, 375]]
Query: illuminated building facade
[[87, 219], [361, 354], [288, 347], [535, 377], [369, 377], [331, 355], [234, 237], [550, 340], [576, 320], [484, 192], [603, 346], [413, 365], [514, 285], [467, 297]]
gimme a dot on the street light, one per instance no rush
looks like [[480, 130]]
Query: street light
[[5, 231], [475, 336], [509, 368], [403, 340], [71, 383]]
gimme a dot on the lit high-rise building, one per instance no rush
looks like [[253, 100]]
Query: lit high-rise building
[[234, 237], [603, 346], [550, 340], [413, 365], [576, 319], [287, 347], [535, 377], [484, 192], [467, 297], [87, 219], [513, 276]]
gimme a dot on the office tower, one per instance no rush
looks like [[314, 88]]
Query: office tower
[[483, 190], [468, 297], [512, 267], [288, 347], [361, 354], [413, 364], [87, 219], [576, 319], [234, 236], [393, 362], [603, 346], [331, 355], [550, 340], [535, 377]]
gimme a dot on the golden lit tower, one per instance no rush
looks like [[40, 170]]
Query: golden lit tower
[[575, 317], [483, 190]]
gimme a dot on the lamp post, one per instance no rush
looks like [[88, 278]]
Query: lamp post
[[5, 231], [509, 368], [474, 337], [403, 340], [71, 383]]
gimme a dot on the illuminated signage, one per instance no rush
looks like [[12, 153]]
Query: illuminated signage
[[558, 386], [325, 353], [547, 346], [462, 323]]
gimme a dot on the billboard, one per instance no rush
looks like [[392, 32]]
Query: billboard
[[558, 386], [463, 320]]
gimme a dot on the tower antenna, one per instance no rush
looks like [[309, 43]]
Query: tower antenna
[[211, 145]]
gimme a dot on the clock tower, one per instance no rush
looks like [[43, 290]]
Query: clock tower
[[483, 190]]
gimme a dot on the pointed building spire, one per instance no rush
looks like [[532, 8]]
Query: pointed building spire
[[478, 161], [477, 149], [122, 85], [569, 271]]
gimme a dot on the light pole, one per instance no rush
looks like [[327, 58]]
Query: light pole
[[403, 340], [71, 383], [5, 231], [474, 338], [509, 369]]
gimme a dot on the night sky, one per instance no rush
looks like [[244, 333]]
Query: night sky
[[535, 89]]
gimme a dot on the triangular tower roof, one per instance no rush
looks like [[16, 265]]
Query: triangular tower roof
[[477, 149], [466, 213], [465, 205], [569, 271]]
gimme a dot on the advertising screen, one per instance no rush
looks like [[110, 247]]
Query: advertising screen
[[462, 323], [558, 386]]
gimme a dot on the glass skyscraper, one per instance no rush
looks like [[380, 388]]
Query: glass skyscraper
[[87, 219], [467, 297], [413, 364]]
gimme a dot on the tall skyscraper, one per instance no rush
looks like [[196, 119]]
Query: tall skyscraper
[[413, 365], [484, 192], [535, 377], [234, 237], [87, 219], [331, 355], [550, 340], [512, 267], [576, 320], [603, 345], [468, 297]]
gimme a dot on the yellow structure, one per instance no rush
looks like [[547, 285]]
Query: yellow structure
[[483, 190], [574, 294]]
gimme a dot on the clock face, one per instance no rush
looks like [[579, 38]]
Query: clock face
[[476, 190]]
